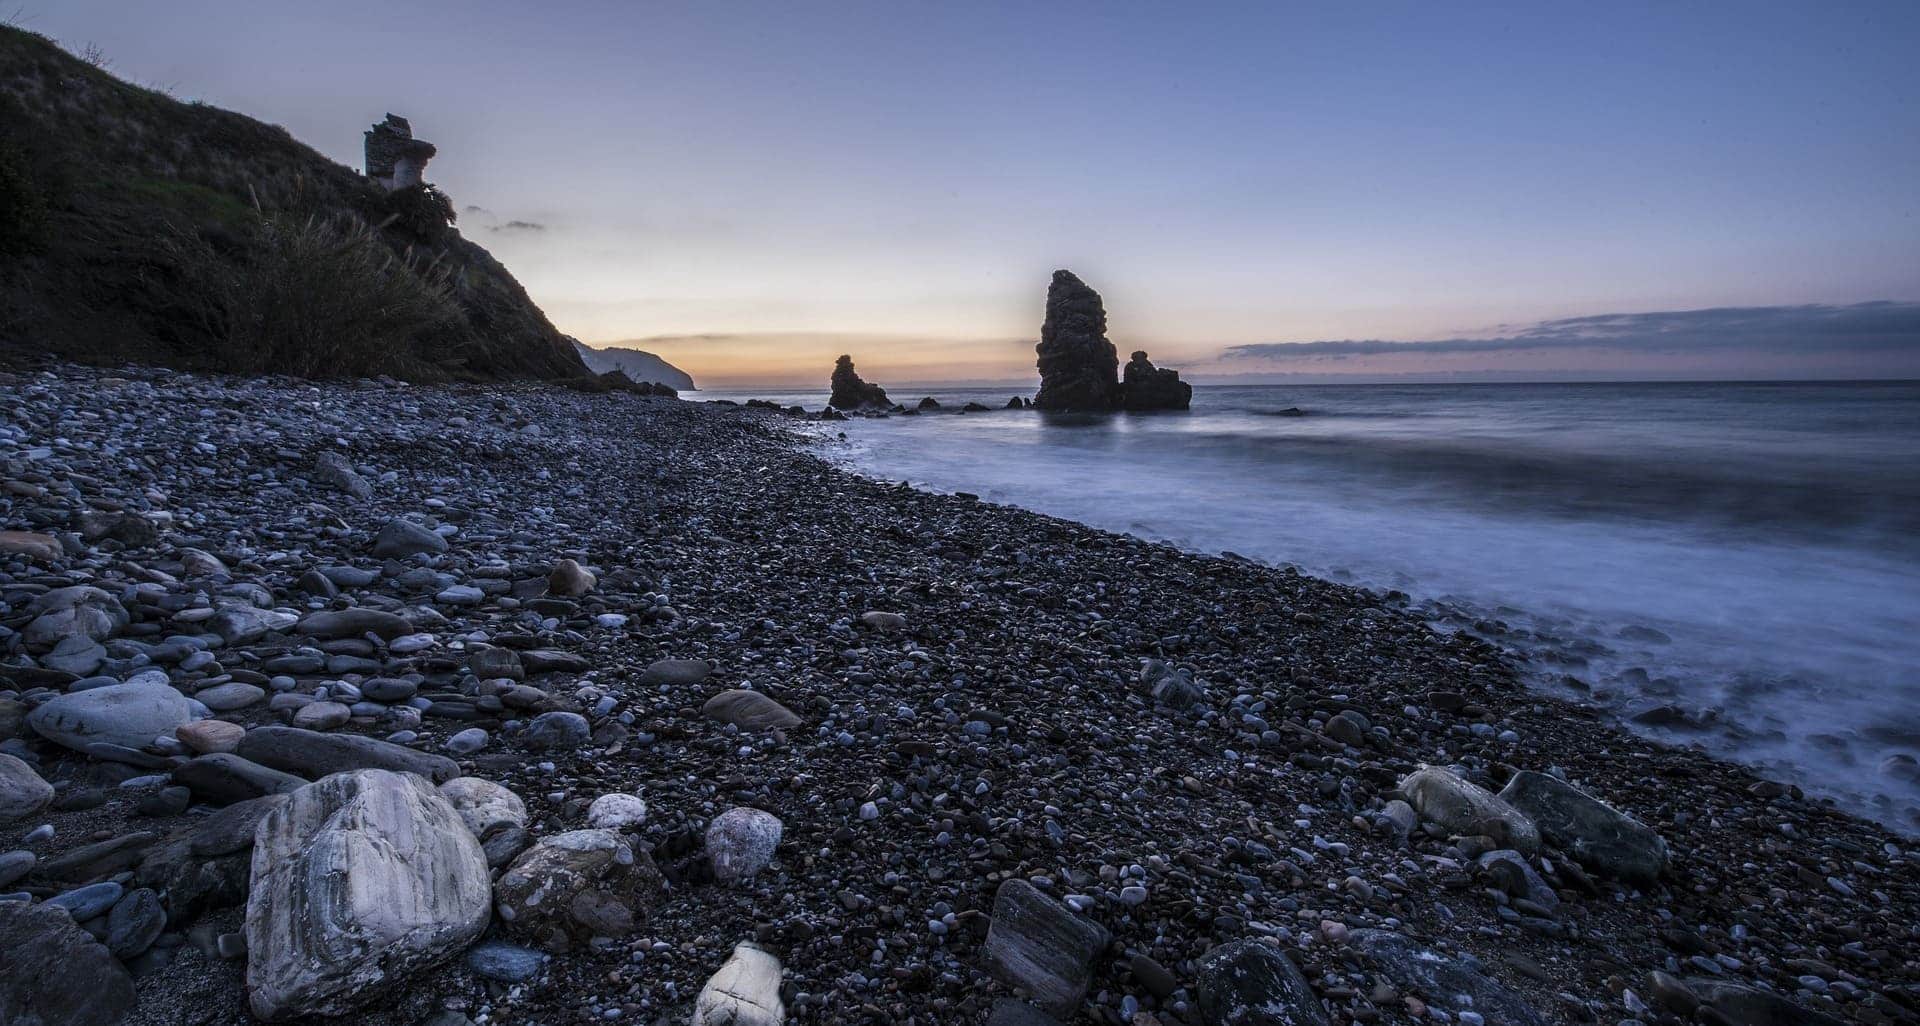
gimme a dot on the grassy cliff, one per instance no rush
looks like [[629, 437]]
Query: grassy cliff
[[137, 227]]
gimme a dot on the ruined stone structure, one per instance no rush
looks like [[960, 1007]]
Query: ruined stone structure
[[395, 159]]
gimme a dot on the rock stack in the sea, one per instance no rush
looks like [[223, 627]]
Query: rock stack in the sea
[[850, 393], [1079, 368]]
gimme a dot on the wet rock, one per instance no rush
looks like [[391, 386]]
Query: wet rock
[[1466, 809], [1600, 837], [56, 974], [1042, 947], [22, 792], [1254, 983], [1449, 983], [484, 805], [744, 992], [750, 710], [358, 880], [128, 716], [570, 888], [401, 538], [1079, 368], [312, 754], [851, 393], [741, 842]]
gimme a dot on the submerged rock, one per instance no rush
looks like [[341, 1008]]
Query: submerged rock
[[358, 880], [851, 393]]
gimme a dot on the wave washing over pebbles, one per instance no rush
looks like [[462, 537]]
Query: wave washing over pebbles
[[511, 704]]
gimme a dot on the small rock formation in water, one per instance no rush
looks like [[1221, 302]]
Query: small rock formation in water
[[1146, 387], [1079, 368], [851, 393], [395, 159]]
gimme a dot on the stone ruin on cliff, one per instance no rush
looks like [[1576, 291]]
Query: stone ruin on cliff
[[395, 159]]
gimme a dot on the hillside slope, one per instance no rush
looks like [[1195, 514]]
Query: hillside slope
[[137, 227], [636, 364]]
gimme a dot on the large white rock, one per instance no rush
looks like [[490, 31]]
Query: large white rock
[[741, 843], [745, 992], [483, 804], [128, 715], [358, 880], [1466, 809]]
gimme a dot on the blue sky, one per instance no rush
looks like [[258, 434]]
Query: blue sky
[[750, 186]]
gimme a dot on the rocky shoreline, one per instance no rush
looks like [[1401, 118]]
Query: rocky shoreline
[[515, 704]]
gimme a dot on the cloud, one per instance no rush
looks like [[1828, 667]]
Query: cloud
[[1878, 328], [518, 226]]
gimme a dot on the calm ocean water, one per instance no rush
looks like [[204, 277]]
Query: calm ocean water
[[1735, 566]]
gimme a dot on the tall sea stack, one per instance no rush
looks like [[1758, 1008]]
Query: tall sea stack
[[851, 393], [1079, 368]]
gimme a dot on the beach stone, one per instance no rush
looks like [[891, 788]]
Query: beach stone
[[15, 865], [490, 663], [22, 791], [353, 623], [208, 736], [389, 689], [741, 842], [551, 660], [1745, 1005], [332, 469], [55, 973], [97, 860], [1594, 833], [676, 671], [83, 903], [750, 710], [134, 923], [244, 625], [229, 697], [358, 880], [570, 888], [312, 754], [79, 611], [33, 545], [78, 655], [570, 579], [401, 538], [484, 805], [322, 716], [125, 715], [881, 620], [467, 741], [1042, 947], [207, 864], [745, 991], [1015, 1012], [557, 731], [1511, 873], [506, 962], [1449, 983], [223, 778], [616, 811], [1466, 809], [1254, 983]]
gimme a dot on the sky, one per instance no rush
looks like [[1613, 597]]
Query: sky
[[750, 189]]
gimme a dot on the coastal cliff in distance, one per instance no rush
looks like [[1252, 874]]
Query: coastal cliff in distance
[[635, 364], [135, 227]]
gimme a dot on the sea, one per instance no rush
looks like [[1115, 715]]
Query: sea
[[1732, 566]]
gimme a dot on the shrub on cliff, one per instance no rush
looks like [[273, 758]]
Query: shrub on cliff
[[23, 211]]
